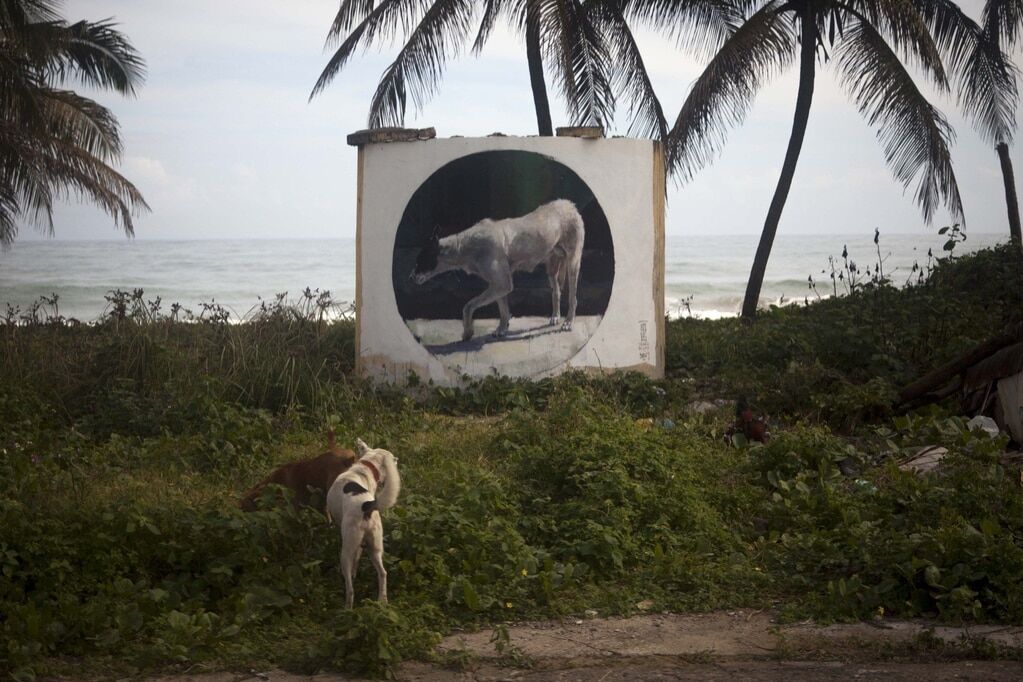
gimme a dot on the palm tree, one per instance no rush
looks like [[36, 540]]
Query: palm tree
[[865, 40], [53, 141], [990, 94], [581, 42]]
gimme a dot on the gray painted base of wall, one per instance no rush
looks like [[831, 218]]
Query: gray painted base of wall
[[532, 346]]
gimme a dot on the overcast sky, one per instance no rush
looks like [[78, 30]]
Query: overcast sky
[[224, 144]]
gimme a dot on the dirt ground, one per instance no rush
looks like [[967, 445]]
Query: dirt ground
[[733, 645]]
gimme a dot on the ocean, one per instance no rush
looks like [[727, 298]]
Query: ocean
[[705, 275]]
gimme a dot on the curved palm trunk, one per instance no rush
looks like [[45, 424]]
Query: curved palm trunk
[[536, 79], [807, 50], [1011, 203]]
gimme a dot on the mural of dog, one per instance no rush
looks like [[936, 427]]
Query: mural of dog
[[551, 234]]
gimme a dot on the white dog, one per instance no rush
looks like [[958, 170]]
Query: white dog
[[551, 234], [354, 503]]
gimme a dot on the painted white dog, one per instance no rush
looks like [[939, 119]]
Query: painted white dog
[[551, 234], [354, 503]]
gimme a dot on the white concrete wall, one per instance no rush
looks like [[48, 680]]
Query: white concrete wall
[[619, 172]]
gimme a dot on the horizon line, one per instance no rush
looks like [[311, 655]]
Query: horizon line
[[866, 234]]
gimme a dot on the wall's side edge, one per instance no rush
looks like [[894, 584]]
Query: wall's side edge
[[359, 369], [660, 191]]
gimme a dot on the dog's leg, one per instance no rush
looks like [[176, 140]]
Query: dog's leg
[[575, 262], [500, 286], [351, 545], [554, 265], [505, 312], [376, 548]]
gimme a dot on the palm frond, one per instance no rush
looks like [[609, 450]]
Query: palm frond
[[95, 54], [91, 126], [574, 45], [37, 109], [385, 19], [100, 56], [14, 12], [54, 142], [953, 31], [722, 95], [9, 211], [912, 132], [985, 78], [1004, 19], [906, 31], [420, 63], [492, 10], [988, 90], [630, 78], [349, 14], [701, 26], [50, 168], [23, 176]]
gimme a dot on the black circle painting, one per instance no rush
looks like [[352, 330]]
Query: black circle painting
[[503, 263]]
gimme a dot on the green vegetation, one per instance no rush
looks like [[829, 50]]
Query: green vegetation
[[124, 447]]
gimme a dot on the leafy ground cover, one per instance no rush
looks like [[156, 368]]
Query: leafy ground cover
[[124, 446]]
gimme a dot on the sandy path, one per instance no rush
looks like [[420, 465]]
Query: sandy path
[[734, 645]]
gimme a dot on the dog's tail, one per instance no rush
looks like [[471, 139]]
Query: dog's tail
[[331, 441], [247, 503]]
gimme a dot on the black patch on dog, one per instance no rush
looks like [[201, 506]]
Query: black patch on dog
[[353, 488], [368, 508]]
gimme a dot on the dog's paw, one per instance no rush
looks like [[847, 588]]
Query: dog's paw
[[500, 333], [566, 327], [466, 335], [553, 321]]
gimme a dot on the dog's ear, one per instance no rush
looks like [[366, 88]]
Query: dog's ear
[[435, 235], [360, 447]]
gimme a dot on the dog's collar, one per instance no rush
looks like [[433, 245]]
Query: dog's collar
[[372, 469]]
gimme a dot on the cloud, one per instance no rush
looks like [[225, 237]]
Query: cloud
[[245, 173], [145, 170], [158, 186]]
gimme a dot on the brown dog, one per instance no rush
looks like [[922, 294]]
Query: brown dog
[[318, 472]]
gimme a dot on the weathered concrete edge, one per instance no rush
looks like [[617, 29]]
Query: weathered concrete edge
[[374, 135]]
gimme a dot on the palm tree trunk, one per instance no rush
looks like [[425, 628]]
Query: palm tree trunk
[[807, 55], [536, 79], [1010, 194]]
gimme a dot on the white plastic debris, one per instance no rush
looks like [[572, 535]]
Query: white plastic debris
[[985, 424], [701, 407]]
